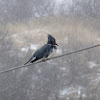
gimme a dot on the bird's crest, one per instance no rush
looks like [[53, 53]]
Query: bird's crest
[[51, 40]]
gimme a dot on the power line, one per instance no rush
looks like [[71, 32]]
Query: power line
[[80, 50]]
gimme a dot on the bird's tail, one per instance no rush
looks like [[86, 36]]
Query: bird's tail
[[29, 60]]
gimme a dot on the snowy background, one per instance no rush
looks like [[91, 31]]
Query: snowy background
[[24, 25]]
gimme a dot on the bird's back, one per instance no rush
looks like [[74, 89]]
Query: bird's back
[[44, 51]]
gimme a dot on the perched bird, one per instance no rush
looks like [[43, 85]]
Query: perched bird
[[45, 50]]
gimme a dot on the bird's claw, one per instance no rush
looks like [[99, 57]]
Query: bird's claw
[[45, 59]]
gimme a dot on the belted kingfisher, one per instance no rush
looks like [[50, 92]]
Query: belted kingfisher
[[45, 50]]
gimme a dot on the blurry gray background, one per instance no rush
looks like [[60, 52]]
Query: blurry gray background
[[24, 25]]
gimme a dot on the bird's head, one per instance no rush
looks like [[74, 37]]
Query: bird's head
[[51, 40]]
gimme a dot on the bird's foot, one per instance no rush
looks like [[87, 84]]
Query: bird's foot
[[45, 59], [48, 58]]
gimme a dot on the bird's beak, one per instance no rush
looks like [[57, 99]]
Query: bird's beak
[[56, 44]]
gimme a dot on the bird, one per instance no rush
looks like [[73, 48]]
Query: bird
[[44, 51]]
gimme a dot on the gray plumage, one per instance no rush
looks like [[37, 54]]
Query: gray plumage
[[44, 51]]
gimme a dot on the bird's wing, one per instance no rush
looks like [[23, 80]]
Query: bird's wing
[[44, 51]]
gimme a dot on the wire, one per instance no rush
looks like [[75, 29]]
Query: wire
[[80, 50]]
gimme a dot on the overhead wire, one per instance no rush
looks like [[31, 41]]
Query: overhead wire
[[70, 53]]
